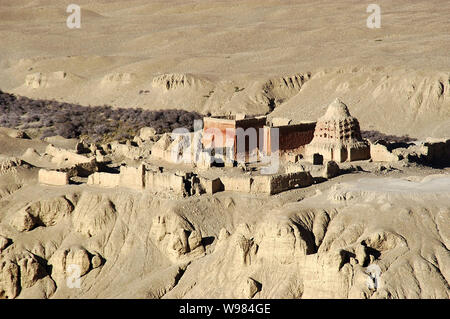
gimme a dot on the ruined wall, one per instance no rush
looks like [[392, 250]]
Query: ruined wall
[[237, 183], [292, 157], [438, 152], [267, 184], [53, 177], [132, 177], [166, 155], [211, 186], [159, 182], [158, 152], [338, 153], [189, 184], [210, 137], [292, 138], [104, 179], [261, 184], [274, 184], [327, 154], [256, 123], [380, 153], [358, 154], [181, 149], [139, 178], [284, 182]]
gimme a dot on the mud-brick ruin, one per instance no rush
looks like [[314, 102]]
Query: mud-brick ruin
[[209, 160], [223, 132], [337, 136]]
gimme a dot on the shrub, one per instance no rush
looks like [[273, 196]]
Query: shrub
[[373, 136], [97, 123]]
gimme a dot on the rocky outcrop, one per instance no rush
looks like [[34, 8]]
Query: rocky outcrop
[[42, 213], [9, 279], [19, 271], [96, 260], [10, 165], [278, 90], [176, 81], [250, 288], [147, 133], [66, 158], [116, 79], [35, 80], [23, 221], [176, 238], [73, 262], [129, 151], [19, 134], [160, 148], [41, 80], [284, 241], [4, 242], [93, 215], [30, 269]]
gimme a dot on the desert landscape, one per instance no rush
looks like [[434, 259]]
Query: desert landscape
[[127, 168]]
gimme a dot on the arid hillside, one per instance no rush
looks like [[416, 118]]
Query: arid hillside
[[237, 56], [313, 242]]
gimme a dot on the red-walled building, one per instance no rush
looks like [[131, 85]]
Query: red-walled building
[[223, 132]]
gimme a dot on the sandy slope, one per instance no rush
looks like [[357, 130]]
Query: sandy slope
[[230, 56], [315, 242]]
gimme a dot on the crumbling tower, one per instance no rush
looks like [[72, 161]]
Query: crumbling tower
[[337, 136]]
